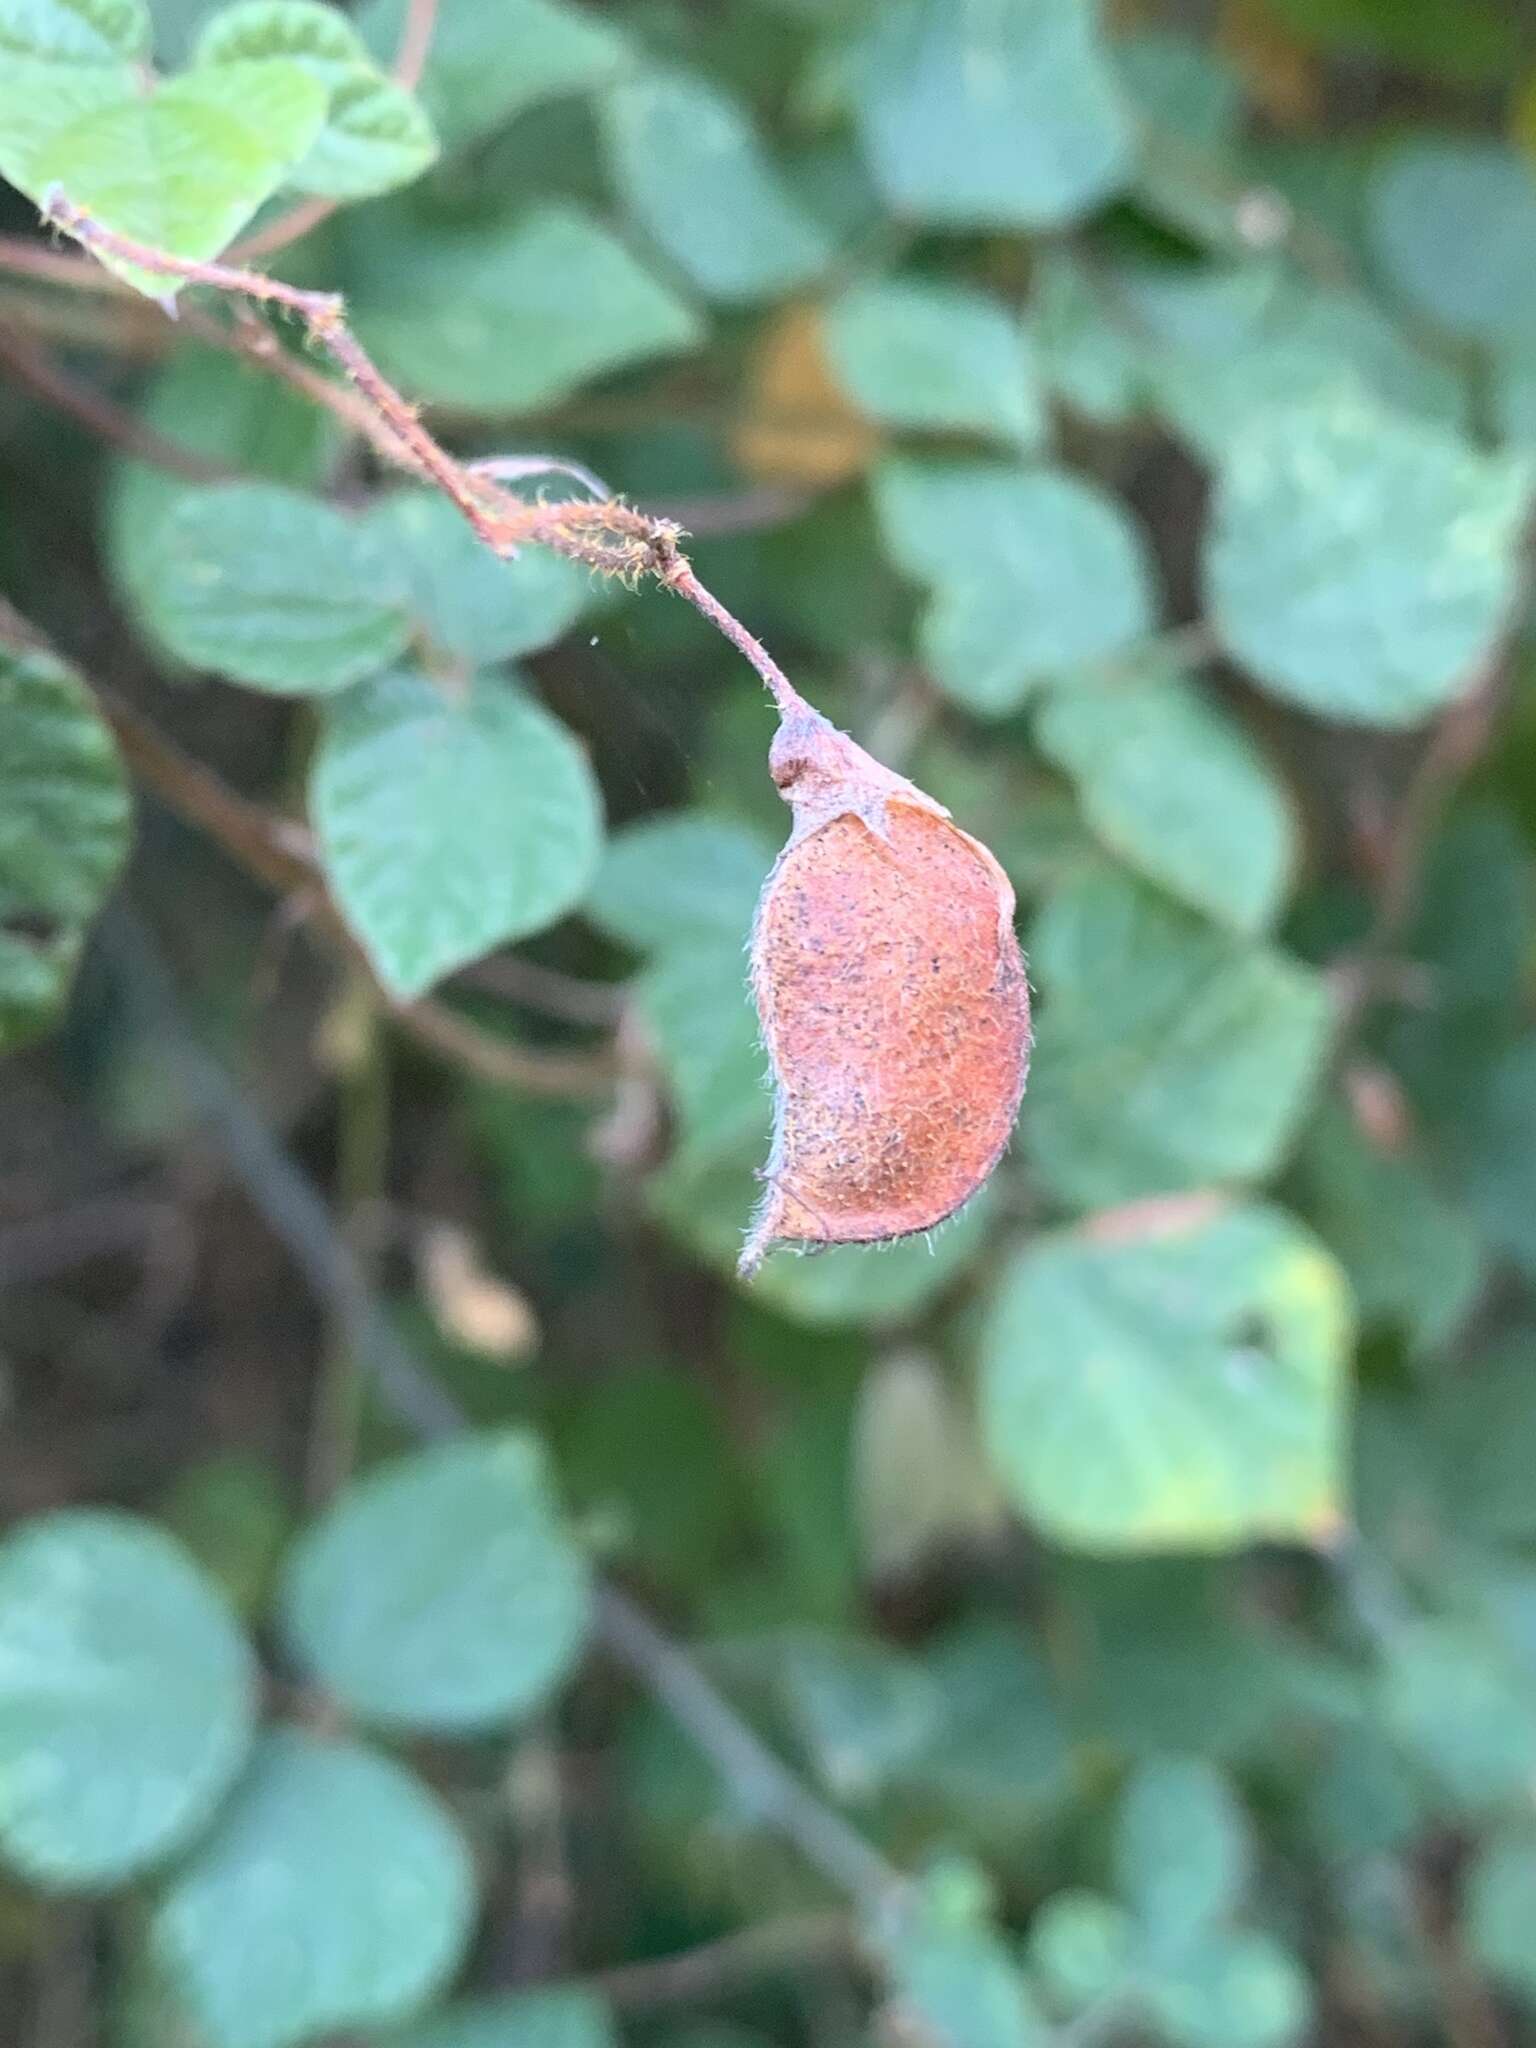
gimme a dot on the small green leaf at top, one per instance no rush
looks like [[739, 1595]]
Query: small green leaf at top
[[375, 135], [1031, 572], [1182, 1390], [184, 168], [452, 816], [949, 1973], [557, 2018], [1424, 197], [274, 589], [694, 175], [1360, 564], [1003, 116], [443, 1591], [64, 819], [472, 605], [127, 1697], [1171, 1055], [1170, 781], [915, 353], [335, 1892], [60, 61]]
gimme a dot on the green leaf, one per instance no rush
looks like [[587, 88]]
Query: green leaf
[[473, 605], [1500, 1906], [1359, 564], [1238, 1990], [952, 1980], [1413, 1259], [127, 1697], [273, 589], [211, 405], [443, 1591], [678, 880], [375, 135], [64, 819], [1170, 1055], [60, 61], [1082, 1947], [1178, 1391], [698, 1017], [1085, 356], [862, 1710], [1181, 1849], [998, 115], [1169, 780], [917, 354], [184, 169], [500, 319], [487, 64], [335, 1892], [451, 818], [1000, 1757], [515, 2019], [1453, 228], [691, 171], [1032, 572], [1457, 1702]]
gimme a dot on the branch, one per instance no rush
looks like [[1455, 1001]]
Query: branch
[[36, 370], [606, 534], [297, 1216]]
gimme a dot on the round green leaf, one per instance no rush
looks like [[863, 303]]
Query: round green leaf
[[452, 817], [1453, 227], [1169, 780], [273, 589], [442, 1591], [688, 166], [126, 1698], [1181, 1849], [680, 879], [1032, 572], [1082, 1948], [917, 354], [514, 2019], [1178, 1391], [62, 61], [504, 316], [1169, 1055], [470, 603], [64, 816], [1362, 564], [1002, 116], [1239, 1990], [335, 1892]]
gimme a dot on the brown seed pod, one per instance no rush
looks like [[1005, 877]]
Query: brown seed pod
[[893, 1002]]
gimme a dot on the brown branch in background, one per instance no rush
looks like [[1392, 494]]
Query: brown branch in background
[[303, 219], [279, 854], [34, 369]]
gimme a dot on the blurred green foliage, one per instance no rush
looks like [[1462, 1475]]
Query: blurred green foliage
[[1122, 419]]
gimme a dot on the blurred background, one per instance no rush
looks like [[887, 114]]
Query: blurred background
[[1123, 422]]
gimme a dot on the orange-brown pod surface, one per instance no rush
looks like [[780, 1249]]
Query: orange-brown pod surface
[[893, 1002]]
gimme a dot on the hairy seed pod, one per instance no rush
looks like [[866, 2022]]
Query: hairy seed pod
[[893, 1002]]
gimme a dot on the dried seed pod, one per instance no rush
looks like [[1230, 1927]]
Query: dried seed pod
[[893, 1002]]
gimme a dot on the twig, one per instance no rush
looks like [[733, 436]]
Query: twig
[[284, 1197], [498, 1060], [34, 368], [714, 1967], [415, 43], [607, 535], [536, 987]]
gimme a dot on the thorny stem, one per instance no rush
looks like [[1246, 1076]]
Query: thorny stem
[[606, 534]]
